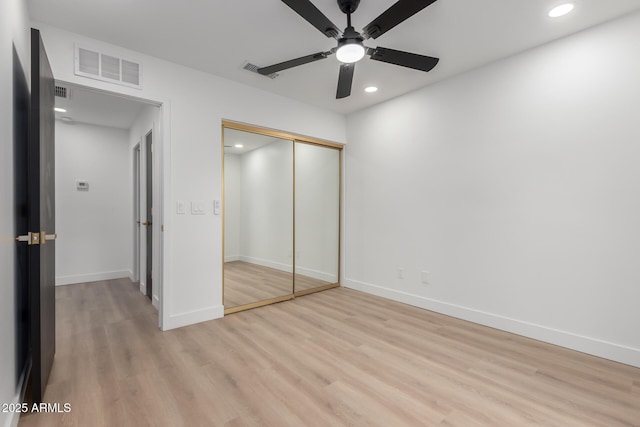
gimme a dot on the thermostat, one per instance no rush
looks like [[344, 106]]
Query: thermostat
[[82, 185]]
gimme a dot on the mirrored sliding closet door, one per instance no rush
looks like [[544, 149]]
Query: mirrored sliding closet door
[[258, 218], [281, 216], [317, 217]]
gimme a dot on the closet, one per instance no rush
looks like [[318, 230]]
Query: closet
[[281, 216]]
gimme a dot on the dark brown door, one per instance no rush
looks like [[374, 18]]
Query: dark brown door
[[41, 219], [149, 173]]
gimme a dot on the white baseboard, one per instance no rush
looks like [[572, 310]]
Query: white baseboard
[[596, 347], [155, 302], [267, 263], [327, 277], [192, 317], [14, 417], [143, 288], [320, 275], [133, 279], [92, 277]]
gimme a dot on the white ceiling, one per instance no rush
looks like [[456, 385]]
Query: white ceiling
[[221, 36], [98, 108], [249, 141]]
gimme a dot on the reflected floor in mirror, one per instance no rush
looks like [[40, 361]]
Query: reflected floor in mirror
[[246, 283]]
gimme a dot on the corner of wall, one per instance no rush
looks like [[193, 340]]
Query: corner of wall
[[192, 317]]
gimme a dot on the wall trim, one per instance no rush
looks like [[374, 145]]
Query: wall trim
[[143, 288], [14, 417], [131, 276], [593, 346], [191, 317], [267, 263], [91, 277], [315, 274], [155, 302], [320, 275]]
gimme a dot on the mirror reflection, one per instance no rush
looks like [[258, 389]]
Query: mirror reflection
[[317, 215], [258, 218]]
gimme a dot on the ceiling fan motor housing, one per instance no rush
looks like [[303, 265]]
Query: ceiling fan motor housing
[[348, 6]]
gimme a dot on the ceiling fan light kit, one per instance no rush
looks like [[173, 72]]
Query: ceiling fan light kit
[[351, 48], [350, 51]]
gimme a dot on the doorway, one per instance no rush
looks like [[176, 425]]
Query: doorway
[[122, 203]]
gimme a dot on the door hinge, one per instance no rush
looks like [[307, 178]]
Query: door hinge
[[36, 238]]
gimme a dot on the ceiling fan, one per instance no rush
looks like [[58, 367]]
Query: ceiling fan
[[350, 47]]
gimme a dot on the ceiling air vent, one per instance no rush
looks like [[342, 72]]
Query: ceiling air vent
[[107, 67], [62, 92], [254, 69]]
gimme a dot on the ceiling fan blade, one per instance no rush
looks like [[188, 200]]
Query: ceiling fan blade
[[397, 13], [345, 80], [312, 15], [265, 71], [403, 59]]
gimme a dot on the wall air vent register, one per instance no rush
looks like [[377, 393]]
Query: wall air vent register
[[62, 92], [106, 67]]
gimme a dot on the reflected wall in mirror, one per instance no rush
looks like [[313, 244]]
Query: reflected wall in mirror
[[317, 216], [258, 218]]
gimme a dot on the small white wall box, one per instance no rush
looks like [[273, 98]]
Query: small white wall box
[[82, 185]]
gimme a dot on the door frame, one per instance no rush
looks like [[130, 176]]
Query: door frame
[[136, 212], [294, 138], [162, 179], [148, 215]]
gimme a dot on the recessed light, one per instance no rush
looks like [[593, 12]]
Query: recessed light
[[238, 145], [561, 10], [370, 89], [59, 110]]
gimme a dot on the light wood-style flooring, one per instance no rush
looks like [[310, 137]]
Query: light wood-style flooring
[[334, 358], [246, 283]]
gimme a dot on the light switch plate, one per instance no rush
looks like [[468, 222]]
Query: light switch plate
[[180, 208], [198, 208], [216, 207]]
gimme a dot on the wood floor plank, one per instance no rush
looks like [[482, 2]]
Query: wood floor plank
[[246, 283], [336, 358]]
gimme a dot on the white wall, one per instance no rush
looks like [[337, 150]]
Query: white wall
[[14, 30], [94, 237], [517, 186], [194, 105], [232, 206], [266, 205]]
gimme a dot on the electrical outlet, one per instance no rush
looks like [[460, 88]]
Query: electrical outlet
[[400, 273]]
